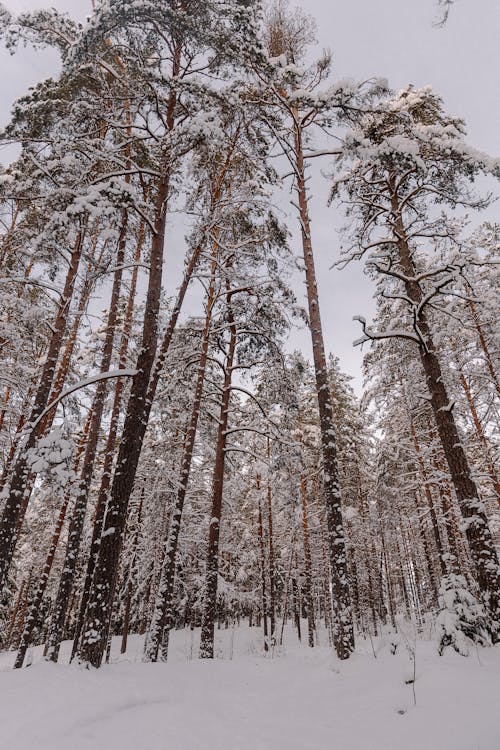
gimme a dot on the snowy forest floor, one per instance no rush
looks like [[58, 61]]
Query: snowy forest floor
[[295, 698]]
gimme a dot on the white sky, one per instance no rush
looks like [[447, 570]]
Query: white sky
[[391, 38]]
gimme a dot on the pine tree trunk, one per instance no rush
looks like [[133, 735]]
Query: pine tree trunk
[[126, 619], [495, 481], [32, 619], [19, 489], [56, 630], [433, 580], [8, 636], [296, 607], [260, 534], [457, 544], [6, 398], [67, 351], [482, 341], [109, 450], [162, 618], [477, 528], [343, 625], [307, 564], [272, 595], [129, 454], [100, 605], [388, 581], [131, 578], [430, 504], [23, 609], [212, 565], [99, 609]]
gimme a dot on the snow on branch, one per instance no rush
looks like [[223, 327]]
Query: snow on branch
[[370, 335], [82, 384]]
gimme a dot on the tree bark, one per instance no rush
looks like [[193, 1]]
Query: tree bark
[[109, 450], [260, 534], [272, 594], [212, 565], [343, 624], [19, 489], [75, 534], [162, 618], [307, 563], [33, 618], [476, 523]]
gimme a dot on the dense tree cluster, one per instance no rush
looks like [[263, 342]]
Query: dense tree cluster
[[166, 461]]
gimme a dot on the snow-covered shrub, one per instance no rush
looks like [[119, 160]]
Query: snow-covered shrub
[[462, 620]]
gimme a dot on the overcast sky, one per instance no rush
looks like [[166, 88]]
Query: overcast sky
[[391, 38]]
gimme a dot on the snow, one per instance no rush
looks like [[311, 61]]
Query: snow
[[295, 698]]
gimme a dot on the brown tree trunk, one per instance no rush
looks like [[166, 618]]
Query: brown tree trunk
[[296, 607], [272, 594], [490, 466], [307, 563], [75, 533], [162, 618], [430, 504], [326, 578], [99, 609], [19, 490], [433, 580], [212, 565], [23, 608], [126, 618], [67, 352], [109, 450], [388, 581], [131, 577], [260, 534], [477, 528], [33, 616], [484, 345], [343, 625], [12, 620], [5, 402]]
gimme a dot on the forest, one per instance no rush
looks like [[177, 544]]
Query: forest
[[178, 479]]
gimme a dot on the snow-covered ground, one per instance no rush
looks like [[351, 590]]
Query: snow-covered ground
[[294, 699]]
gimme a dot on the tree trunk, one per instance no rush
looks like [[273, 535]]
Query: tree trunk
[[477, 528], [490, 466], [260, 533], [162, 618], [67, 352], [109, 450], [75, 534], [343, 625], [307, 564], [272, 595], [19, 488], [430, 504], [482, 341], [12, 621], [99, 609], [33, 616], [296, 607], [212, 566]]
